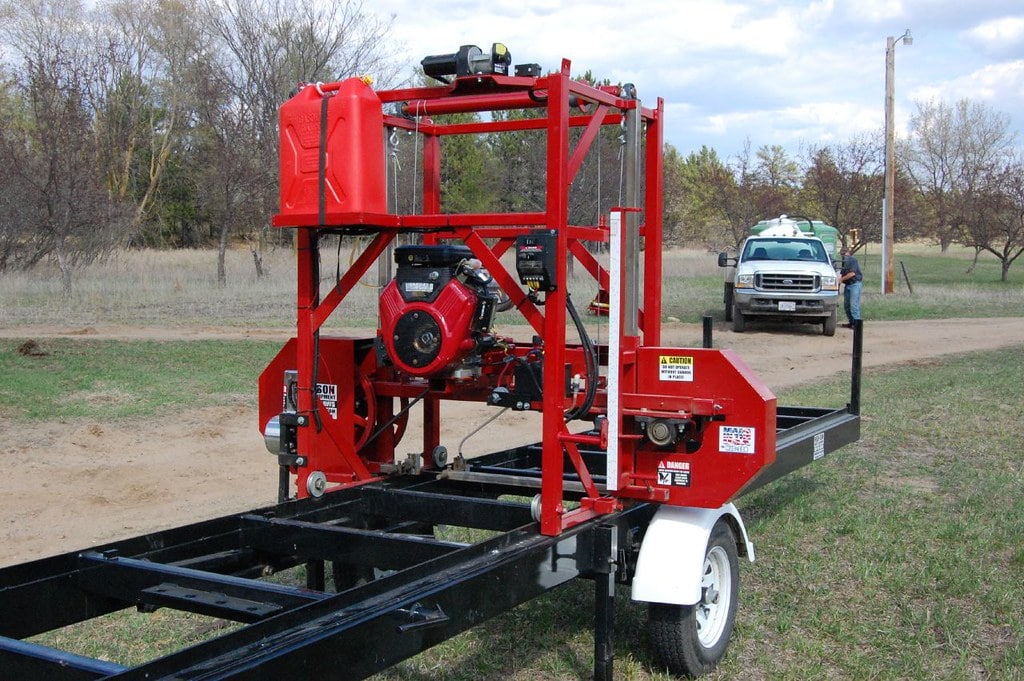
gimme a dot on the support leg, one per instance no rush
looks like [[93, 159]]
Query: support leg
[[316, 575], [605, 552]]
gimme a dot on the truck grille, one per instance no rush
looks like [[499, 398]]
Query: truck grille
[[787, 283]]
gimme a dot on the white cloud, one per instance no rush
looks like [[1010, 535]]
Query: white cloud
[[999, 86], [776, 71], [1003, 37], [999, 30]]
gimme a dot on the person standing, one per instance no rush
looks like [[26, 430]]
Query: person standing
[[851, 277]]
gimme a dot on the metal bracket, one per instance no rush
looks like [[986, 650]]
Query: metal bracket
[[421, 618]]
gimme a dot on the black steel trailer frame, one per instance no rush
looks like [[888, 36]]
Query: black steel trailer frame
[[425, 588]]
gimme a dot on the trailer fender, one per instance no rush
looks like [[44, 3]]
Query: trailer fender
[[670, 565]]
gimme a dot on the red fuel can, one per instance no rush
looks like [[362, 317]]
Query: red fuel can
[[331, 156]]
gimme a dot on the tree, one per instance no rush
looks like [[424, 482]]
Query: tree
[[733, 197], [997, 225], [48, 151], [259, 51], [520, 156], [775, 181], [468, 173], [693, 187], [951, 153], [147, 47], [843, 185]]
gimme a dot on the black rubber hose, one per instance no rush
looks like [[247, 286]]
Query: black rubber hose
[[590, 354]]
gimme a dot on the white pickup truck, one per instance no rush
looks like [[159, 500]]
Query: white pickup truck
[[782, 273]]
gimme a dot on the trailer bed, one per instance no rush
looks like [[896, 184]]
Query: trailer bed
[[417, 559]]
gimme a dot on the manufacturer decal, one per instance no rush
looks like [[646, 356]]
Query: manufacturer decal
[[674, 473], [327, 393], [736, 439], [418, 287], [675, 368]]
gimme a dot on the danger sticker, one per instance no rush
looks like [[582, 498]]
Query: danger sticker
[[675, 368], [674, 473], [736, 439]]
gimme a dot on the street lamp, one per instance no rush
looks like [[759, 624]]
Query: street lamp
[[890, 161]]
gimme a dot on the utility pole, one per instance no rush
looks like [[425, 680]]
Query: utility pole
[[888, 238]]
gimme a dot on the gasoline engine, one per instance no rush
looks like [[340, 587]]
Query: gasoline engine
[[436, 314]]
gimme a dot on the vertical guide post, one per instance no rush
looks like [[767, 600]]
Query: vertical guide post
[[654, 208], [631, 156], [708, 321]]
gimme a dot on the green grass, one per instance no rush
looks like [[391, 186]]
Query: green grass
[[899, 557], [107, 379]]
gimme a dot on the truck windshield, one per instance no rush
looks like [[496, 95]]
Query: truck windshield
[[785, 249]]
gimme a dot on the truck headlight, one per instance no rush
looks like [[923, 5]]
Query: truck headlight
[[829, 283], [745, 281]]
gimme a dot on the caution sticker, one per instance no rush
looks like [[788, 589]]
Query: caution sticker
[[674, 473], [675, 368]]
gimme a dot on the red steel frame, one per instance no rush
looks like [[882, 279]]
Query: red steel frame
[[331, 446]]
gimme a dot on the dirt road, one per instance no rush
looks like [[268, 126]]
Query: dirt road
[[71, 485]]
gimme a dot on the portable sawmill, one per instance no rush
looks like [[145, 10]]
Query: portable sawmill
[[642, 448]]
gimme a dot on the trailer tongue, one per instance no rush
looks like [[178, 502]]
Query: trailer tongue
[[642, 449]]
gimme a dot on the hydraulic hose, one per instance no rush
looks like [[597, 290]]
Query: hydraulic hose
[[590, 355]]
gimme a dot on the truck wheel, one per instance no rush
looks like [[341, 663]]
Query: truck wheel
[[828, 327], [738, 322], [728, 302], [690, 640]]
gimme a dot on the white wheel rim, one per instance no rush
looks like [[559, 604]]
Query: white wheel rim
[[712, 613]]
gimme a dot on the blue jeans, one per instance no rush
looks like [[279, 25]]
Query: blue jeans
[[851, 301]]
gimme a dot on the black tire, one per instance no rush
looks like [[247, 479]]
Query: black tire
[[739, 323], [690, 640], [728, 297], [828, 327]]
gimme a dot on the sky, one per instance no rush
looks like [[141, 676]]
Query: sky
[[767, 72]]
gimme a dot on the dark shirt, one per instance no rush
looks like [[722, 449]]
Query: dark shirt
[[850, 264]]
